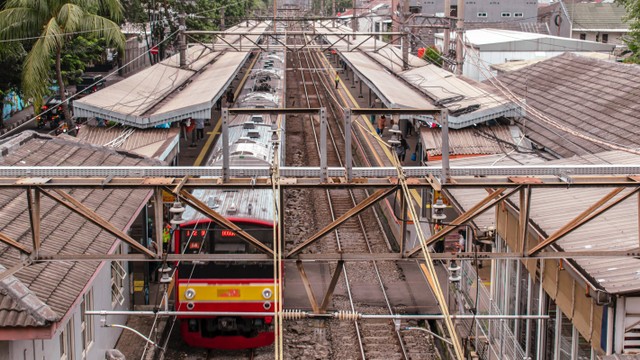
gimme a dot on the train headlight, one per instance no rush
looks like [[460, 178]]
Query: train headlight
[[266, 305], [267, 293], [189, 294]]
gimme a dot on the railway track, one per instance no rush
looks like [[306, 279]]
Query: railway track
[[363, 233]]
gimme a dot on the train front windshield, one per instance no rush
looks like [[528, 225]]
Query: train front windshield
[[212, 239]]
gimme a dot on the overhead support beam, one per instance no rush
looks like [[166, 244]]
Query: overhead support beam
[[485, 204], [589, 214], [33, 203], [222, 221], [347, 257], [525, 209], [14, 244], [77, 207], [362, 206], [158, 221], [307, 287], [332, 286]]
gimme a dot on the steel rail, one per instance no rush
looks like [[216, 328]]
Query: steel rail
[[317, 63]]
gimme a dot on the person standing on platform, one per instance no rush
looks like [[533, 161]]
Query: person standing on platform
[[337, 80], [374, 104], [382, 121], [401, 149], [199, 129], [230, 97]]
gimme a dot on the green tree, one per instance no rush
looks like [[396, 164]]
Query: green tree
[[632, 39], [12, 55], [55, 23]]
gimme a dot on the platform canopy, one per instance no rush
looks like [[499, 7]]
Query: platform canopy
[[165, 92]]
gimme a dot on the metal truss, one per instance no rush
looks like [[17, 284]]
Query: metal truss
[[312, 40], [539, 176], [346, 257]]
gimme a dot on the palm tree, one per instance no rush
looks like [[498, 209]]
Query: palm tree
[[54, 22]]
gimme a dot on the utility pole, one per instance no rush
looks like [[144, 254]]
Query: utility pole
[[405, 37], [182, 40], [459, 37], [333, 13], [447, 33], [354, 25], [222, 26]]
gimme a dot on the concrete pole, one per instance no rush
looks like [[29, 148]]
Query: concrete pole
[[444, 122], [225, 144], [182, 40], [333, 13], [459, 35], [447, 32], [347, 139], [323, 144], [222, 26], [354, 24]]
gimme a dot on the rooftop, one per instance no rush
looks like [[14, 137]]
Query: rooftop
[[43, 293], [597, 16], [551, 208], [165, 92], [507, 40], [153, 143], [589, 105], [477, 140]]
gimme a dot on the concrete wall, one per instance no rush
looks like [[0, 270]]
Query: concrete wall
[[493, 8], [614, 37], [103, 338], [134, 58]]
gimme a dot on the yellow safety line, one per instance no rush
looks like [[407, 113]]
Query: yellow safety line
[[216, 129], [414, 193]]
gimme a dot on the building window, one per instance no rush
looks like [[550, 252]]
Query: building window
[[482, 14], [518, 15], [87, 322], [605, 38], [505, 14], [118, 274], [583, 36], [66, 341]]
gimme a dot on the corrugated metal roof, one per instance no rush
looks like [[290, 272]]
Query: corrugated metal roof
[[58, 284], [164, 92], [480, 140], [152, 143], [507, 40], [395, 91], [151, 97], [597, 16], [532, 27], [579, 95], [617, 229], [467, 103]]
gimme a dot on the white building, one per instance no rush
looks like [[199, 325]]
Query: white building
[[486, 47]]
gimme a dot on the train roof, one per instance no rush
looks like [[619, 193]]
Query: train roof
[[250, 143]]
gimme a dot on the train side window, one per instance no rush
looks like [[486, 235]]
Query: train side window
[[195, 241]]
